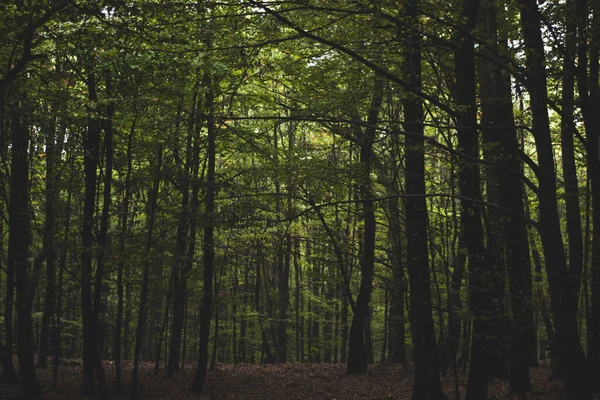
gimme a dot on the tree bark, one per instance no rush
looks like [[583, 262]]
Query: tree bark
[[208, 247], [142, 311], [357, 355], [396, 322], [427, 372], [19, 238], [121, 266], [570, 353], [481, 277], [51, 196], [507, 234], [92, 367]]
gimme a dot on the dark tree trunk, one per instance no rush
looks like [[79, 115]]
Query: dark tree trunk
[[92, 367], [570, 354], [298, 301], [396, 323], [18, 254], [99, 306], [507, 234], [357, 355], [121, 266], [208, 247], [589, 92], [427, 376], [49, 251], [284, 273], [9, 374], [481, 277], [455, 304], [184, 253], [142, 311], [574, 229], [315, 311], [61, 267]]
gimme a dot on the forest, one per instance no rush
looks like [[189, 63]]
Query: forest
[[362, 189]]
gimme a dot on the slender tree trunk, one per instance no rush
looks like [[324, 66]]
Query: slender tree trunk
[[99, 306], [396, 323], [574, 229], [184, 259], [357, 356], [455, 303], [142, 312], [121, 266], [91, 146], [61, 267], [316, 312], [208, 247], [298, 300], [49, 251]]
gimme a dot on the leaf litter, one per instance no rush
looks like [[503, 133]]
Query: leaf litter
[[293, 381]]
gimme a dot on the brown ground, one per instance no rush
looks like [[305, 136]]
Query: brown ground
[[278, 382]]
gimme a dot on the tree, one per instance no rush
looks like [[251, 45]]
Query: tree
[[570, 354], [427, 380]]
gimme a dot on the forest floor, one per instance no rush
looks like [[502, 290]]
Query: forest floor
[[278, 382]]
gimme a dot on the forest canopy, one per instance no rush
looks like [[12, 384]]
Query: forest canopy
[[315, 181]]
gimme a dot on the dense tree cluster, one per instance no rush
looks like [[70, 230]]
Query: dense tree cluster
[[301, 181]]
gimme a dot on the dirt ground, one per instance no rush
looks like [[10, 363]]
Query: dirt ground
[[278, 382]]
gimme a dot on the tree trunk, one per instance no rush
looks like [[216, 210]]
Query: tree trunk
[[91, 146], [574, 229], [18, 253], [426, 376], [62, 262], [507, 234], [481, 277], [589, 93], [121, 266], [142, 312], [9, 374], [49, 251], [183, 252], [396, 323], [99, 306], [570, 354], [208, 247], [357, 355]]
